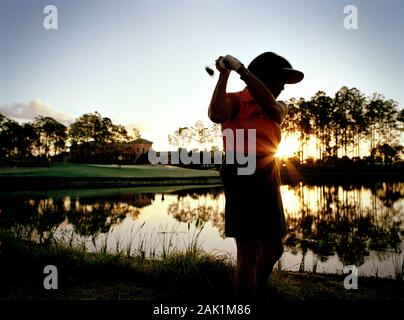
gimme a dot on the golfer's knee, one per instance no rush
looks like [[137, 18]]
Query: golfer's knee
[[246, 259], [273, 251]]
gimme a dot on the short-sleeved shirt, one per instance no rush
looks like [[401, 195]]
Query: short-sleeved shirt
[[252, 116]]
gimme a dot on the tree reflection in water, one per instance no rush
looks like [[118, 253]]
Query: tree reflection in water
[[38, 218], [350, 221], [347, 221], [207, 208]]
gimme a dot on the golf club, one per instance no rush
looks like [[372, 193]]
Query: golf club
[[210, 71]]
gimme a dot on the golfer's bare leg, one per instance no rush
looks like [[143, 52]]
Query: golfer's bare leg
[[245, 281], [268, 255]]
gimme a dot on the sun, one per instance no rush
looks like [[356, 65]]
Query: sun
[[288, 147]]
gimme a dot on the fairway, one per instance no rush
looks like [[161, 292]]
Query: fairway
[[70, 170]]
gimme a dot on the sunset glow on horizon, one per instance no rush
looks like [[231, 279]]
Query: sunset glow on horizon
[[288, 147], [142, 64]]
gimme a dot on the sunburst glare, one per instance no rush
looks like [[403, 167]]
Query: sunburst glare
[[287, 147]]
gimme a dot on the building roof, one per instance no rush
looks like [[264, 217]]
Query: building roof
[[141, 140]]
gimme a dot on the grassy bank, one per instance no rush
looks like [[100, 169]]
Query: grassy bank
[[74, 170], [69, 175], [180, 277]]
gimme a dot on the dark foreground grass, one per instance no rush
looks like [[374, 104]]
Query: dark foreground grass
[[82, 275], [179, 277]]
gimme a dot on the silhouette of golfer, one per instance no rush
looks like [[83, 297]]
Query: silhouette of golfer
[[254, 213]]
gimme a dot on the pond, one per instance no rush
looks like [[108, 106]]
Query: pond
[[330, 226]]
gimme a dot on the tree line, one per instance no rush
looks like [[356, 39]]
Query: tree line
[[348, 125], [46, 137]]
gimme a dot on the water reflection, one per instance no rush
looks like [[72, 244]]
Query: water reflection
[[351, 221], [206, 208], [330, 226]]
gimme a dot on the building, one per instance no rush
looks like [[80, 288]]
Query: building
[[132, 152]]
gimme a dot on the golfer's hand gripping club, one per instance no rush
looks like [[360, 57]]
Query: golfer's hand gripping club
[[229, 62]]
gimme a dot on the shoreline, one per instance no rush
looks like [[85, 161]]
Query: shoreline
[[307, 176], [44, 183]]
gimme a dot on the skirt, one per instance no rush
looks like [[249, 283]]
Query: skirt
[[253, 208]]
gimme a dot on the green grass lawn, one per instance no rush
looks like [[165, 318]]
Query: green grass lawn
[[73, 170]]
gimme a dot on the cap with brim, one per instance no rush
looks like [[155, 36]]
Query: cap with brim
[[268, 65], [291, 75]]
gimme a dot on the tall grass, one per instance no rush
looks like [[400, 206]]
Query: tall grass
[[166, 240], [193, 244], [186, 272], [137, 240], [132, 234]]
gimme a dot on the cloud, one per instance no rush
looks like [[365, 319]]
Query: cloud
[[34, 108], [142, 127], [26, 112]]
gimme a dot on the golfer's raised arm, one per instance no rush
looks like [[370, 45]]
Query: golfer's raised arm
[[260, 92], [221, 106]]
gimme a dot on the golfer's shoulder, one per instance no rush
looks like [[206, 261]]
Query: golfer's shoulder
[[283, 108]]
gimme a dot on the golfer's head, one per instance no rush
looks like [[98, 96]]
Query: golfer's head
[[274, 71]]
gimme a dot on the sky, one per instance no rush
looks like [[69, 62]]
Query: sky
[[141, 62]]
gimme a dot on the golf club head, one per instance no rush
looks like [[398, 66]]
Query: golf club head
[[210, 71]]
